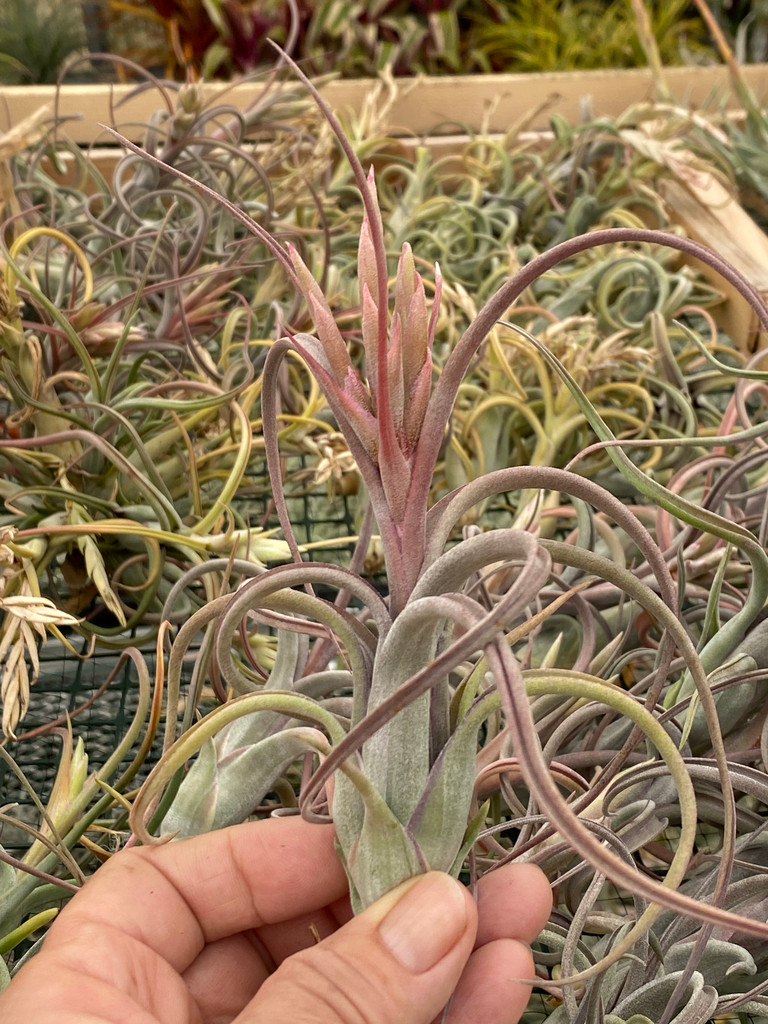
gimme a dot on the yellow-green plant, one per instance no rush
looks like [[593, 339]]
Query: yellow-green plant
[[557, 35], [129, 378], [82, 803]]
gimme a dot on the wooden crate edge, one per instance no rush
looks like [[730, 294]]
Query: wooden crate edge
[[425, 105]]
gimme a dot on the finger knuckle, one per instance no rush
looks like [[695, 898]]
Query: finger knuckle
[[353, 992]]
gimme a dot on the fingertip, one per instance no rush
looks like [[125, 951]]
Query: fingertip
[[514, 902], [427, 918], [538, 897], [495, 986]]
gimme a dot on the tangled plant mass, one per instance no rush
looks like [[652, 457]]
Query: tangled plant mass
[[432, 714], [580, 685]]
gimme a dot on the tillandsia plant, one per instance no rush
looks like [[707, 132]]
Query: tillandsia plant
[[79, 825], [130, 388], [434, 727]]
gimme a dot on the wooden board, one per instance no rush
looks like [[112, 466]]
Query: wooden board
[[450, 105]]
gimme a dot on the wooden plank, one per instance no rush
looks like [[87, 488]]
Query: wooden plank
[[730, 232], [423, 105], [709, 213]]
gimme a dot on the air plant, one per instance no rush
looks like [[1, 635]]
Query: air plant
[[81, 823], [132, 397], [592, 614], [438, 727], [26, 615]]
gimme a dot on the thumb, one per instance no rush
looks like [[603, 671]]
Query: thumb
[[395, 963]]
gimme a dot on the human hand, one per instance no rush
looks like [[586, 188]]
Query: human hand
[[225, 927]]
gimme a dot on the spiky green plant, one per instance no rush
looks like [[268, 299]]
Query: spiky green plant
[[557, 35], [84, 809], [36, 38]]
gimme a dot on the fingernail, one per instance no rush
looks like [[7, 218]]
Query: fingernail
[[426, 922]]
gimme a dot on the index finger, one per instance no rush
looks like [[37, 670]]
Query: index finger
[[178, 897]]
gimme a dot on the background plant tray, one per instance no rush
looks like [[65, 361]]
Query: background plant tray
[[444, 112]]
